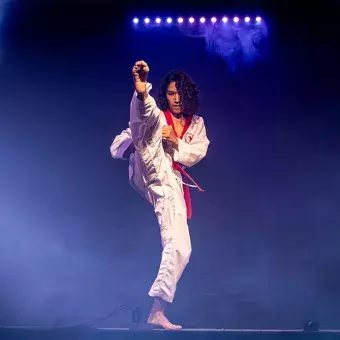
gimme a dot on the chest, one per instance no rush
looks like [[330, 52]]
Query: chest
[[179, 128]]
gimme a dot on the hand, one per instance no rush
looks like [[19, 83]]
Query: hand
[[169, 134], [140, 73]]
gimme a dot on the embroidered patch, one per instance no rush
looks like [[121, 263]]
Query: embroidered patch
[[188, 138]]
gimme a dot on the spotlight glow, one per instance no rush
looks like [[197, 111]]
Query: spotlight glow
[[246, 19], [258, 19], [180, 20], [213, 20], [202, 20], [147, 20], [158, 20], [225, 19], [169, 20], [236, 19], [135, 20], [191, 20]]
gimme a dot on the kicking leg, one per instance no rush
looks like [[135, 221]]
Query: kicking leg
[[167, 198]]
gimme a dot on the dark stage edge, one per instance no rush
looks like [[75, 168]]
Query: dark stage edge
[[91, 333]]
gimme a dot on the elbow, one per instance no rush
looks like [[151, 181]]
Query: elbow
[[115, 148], [204, 151], [193, 161], [197, 159], [122, 150], [113, 151]]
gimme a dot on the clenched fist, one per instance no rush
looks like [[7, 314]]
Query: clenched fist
[[169, 134], [140, 73]]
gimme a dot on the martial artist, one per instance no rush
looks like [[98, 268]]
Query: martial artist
[[160, 143]]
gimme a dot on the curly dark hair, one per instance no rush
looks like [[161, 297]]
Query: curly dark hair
[[187, 89]]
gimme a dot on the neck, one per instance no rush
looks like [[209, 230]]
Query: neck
[[177, 115]]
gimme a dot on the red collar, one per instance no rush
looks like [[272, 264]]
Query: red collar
[[170, 121]]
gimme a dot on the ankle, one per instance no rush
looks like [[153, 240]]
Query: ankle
[[158, 306], [156, 314]]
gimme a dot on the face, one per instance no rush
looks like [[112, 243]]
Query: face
[[173, 98]]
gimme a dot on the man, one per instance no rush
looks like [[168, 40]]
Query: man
[[159, 144]]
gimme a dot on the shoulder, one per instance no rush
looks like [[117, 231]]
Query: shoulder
[[197, 120]]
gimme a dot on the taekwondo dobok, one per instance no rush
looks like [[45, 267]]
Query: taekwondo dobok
[[157, 172]]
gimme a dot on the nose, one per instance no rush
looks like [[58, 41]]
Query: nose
[[177, 99]]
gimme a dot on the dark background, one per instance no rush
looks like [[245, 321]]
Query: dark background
[[76, 241]]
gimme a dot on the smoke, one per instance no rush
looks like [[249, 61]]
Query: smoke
[[236, 44]]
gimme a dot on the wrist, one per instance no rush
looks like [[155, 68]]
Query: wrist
[[175, 144], [174, 141]]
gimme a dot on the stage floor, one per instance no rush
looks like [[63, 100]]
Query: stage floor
[[89, 333]]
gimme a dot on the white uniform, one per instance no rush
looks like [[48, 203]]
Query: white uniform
[[152, 175]]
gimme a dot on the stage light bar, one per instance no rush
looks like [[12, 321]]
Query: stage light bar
[[192, 20]]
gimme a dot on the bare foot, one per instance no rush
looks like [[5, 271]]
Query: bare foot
[[159, 319]]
